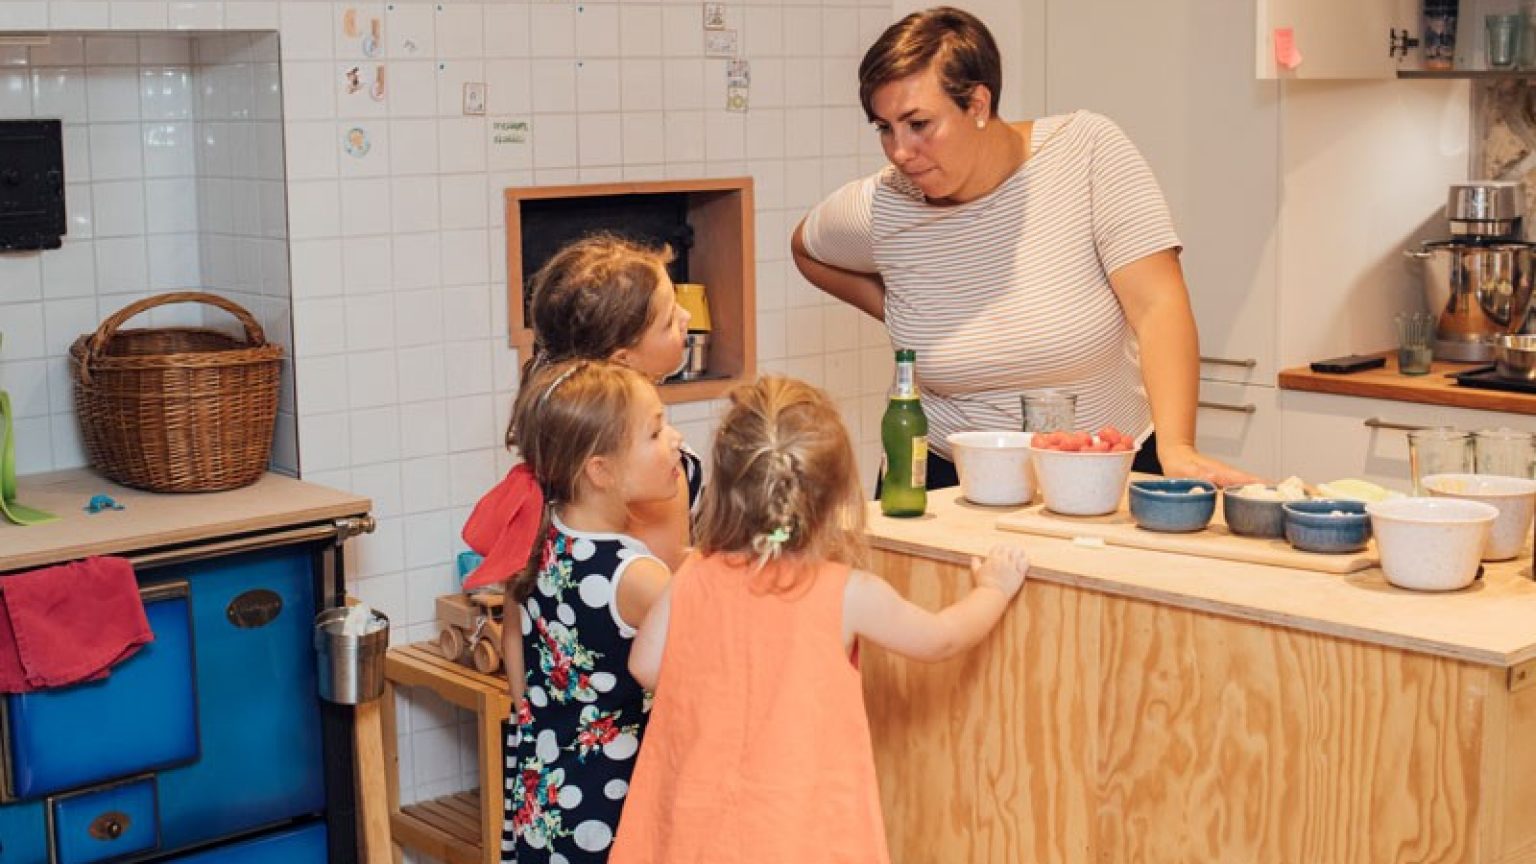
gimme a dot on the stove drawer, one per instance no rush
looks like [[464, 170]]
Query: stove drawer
[[141, 717], [306, 845], [107, 823]]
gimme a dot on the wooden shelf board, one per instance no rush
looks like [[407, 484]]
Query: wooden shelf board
[[1436, 388]]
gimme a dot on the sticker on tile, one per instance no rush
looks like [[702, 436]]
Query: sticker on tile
[[474, 97], [736, 99], [714, 16], [355, 142], [362, 32], [738, 73], [509, 132], [361, 78], [720, 43]]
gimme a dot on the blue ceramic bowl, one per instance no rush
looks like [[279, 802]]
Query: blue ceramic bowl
[[1174, 506], [1252, 517], [1327, 525]]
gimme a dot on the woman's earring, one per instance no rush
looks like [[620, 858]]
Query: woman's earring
[[980, 123]]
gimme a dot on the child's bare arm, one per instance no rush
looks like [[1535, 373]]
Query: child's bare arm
[[642, 583], [651, 642], [663, 526], [874, 610], [512, 648]]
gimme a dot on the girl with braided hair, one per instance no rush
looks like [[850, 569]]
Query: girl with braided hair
[[758, 746]]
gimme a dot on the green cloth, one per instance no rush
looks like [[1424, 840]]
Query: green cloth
[[9, 508]]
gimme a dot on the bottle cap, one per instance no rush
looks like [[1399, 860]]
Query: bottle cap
[[906, 354]]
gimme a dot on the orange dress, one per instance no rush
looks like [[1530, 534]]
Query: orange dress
[[758, 746]]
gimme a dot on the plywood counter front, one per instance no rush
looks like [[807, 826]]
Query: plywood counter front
[[1140, 706]]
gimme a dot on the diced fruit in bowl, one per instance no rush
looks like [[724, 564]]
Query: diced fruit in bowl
[[1081, 474], [994, 467], [1431, 544]]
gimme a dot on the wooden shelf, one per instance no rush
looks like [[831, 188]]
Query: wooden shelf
[[460, 828], [1495, 74], [723, 258], [1435, 388]]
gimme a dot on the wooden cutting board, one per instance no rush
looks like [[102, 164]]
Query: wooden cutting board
[[1215, 541]]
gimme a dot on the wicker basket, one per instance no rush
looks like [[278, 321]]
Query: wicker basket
[[177, 409]]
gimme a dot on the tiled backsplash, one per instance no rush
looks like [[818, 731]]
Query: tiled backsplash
[[396, 243], [140, 114]]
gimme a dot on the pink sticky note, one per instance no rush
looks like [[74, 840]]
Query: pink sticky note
[[1285, 48]]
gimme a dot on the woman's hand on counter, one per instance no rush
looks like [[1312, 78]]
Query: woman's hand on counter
[[1185, 461]]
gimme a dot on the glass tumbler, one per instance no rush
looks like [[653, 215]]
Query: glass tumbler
[[1508, 452], [1415, 342], [1049, 411], [1503, 40], [1438, 450]]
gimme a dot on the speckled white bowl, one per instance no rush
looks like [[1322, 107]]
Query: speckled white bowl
[[994, 466], [1514, 496], [1076, 483], [1431, 544]]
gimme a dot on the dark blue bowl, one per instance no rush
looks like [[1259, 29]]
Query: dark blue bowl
[[1327, 525], [1174, 506]]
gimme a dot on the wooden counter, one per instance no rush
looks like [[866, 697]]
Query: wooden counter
[[1141, 706], [1432, 389], [150, 520]]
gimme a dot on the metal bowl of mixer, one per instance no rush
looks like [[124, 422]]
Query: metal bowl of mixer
[[1515, 357], [1479, 291]]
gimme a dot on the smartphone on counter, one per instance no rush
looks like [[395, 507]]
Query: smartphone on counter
[[1346, 365]]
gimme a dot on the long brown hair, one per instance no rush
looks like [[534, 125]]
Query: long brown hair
[[952, 40], [564, 415], [784, 487]]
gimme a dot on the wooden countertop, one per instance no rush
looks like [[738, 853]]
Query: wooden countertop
[[151, 520], [1432, 389], [1492, 623]]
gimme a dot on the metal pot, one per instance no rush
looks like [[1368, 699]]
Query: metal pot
[[1478, 291]]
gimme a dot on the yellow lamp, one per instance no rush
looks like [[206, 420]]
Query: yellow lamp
[[690, 296]]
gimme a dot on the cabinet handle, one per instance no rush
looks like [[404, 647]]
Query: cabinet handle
[[1245, 408], [1245, 363], [1378, 423]]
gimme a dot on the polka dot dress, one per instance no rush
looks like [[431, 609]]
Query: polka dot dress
[[569, 758]]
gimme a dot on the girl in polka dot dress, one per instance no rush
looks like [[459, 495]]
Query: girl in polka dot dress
[[595, 441]]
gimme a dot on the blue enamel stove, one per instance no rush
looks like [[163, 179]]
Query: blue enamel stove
[[210, 744]]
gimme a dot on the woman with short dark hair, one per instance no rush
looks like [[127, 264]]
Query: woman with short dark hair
[[1012, 257]]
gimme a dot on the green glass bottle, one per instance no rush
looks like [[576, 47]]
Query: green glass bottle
[[904, 435]]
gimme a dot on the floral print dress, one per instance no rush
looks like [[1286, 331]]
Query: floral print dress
[[569, 758]]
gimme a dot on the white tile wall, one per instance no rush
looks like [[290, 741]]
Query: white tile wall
[[396, 254]]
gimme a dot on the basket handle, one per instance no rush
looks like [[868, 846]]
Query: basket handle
[[254, 335]]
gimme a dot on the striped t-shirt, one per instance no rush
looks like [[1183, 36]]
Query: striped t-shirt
[[1010, 292]]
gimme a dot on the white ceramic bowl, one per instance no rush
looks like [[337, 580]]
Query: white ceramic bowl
[[1079, 483], [1431, 544], [1515, 497], [994, 466]]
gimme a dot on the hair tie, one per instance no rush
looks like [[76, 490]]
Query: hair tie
[[555, 384], [504, 526], [771, 544]]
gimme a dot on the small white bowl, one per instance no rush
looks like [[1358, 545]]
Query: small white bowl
[[1431, 544], [1515, 497], [994, 466], [1082, 483]]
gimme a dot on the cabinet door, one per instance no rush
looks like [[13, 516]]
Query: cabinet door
[[1238, 424], [1335, 40], [1211, 135], [1325, 437]]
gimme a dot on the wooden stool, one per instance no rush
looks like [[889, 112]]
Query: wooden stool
[[463, 828]]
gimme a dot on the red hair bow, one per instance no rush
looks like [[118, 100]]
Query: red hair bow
[[504, 526]]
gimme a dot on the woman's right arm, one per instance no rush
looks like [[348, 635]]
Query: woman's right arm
[[863, 291], [873, 609]]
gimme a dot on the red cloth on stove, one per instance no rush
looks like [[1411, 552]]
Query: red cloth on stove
[[70, 623]]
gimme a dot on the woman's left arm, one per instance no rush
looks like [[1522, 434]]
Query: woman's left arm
[[1151, 291]]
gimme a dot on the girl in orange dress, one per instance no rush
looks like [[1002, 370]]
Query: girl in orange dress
[[758, 746]]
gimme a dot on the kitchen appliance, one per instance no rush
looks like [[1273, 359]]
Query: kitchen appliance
[[1478, 283], [691, 296], [1488, 378]]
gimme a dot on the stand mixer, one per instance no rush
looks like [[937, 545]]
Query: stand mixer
[[1478, 283]]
